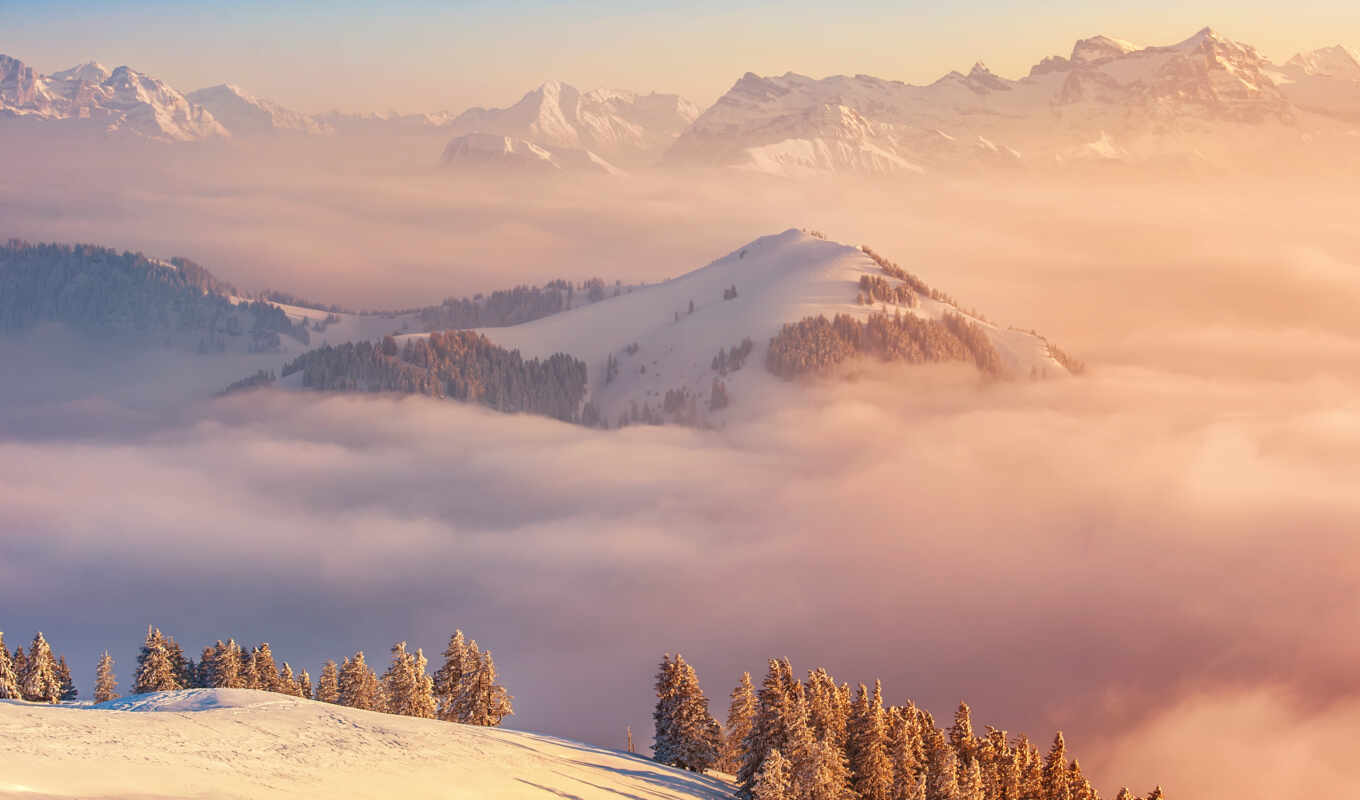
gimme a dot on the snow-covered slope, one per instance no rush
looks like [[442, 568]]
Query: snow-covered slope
[[241, 743], [623, 127], [779, 279], [246, 115], [1140, 102], [90, 97], [509, 153]]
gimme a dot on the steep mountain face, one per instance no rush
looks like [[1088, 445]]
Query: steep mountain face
[[246, 115], [1336, 62], [1108, 99], [497, 153], [622, 127], [92, 98]]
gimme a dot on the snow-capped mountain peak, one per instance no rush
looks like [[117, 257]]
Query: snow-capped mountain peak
[[245, 115], [618, 125], [1100, 48], [91, 97], [1337, 61], [89, 72]]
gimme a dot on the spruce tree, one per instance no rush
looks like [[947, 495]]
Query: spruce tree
[[944, 773], [9, 679], [304, 683], [866, 746], [961, 735], [448, 679], [687, 736], [155, 669], [20, 662], [266, 673], [399, 682], [105, 684], [1080, 788], [286, 683], [1155, 794], [777, 703], [68, 686], [481, 701], [328, 685], [970, 781], [40, 682], [773, 782], [901, 749], [741, 717], [424, 706], [1056, 784], [359, 685]]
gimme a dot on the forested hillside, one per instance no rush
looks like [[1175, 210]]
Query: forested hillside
[[127, 296], [456, 364]]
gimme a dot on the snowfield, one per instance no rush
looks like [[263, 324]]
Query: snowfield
[[242, 743]]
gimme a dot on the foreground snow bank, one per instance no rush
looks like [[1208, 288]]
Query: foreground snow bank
[[240, 743]]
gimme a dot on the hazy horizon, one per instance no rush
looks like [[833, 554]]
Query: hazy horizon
[[416, 58]]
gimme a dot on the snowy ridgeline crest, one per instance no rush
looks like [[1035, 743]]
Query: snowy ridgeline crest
[[463, 689], [813, 740]]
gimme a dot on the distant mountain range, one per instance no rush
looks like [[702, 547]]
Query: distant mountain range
[[1109, 100]]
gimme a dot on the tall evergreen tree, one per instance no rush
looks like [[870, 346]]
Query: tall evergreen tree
[[359, 685], [944, 773], [20, 662], [448, 679], [687, 736], [105, 684], [961, 735], [425, 705], [266, 672], [155, 670], [40, 681], [741, 717], [828, 707], [902, 749], [778, 702], [1056, 781], [866, 746], [774, 781], [970, 780], [9, 679], [407, 686], [68, 686], [328, 685], [1080, 788], [287, 682], [482, 701], [304, 685]]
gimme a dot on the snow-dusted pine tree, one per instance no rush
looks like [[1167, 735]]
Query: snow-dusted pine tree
[[328, 685], [1056, 784], [286, 683], [1155, 794], [155, 670], [105, 684], [20, 666], [406, 687], [68, 686], [1080, 788], [304, 684], [448, 679], [970, 780], [40, 682], [425, 706], [777, 703], [773, 780], [9, 679], [944, 772], [359, 685], [687, 736], [961, 735], [741, 717], [266, 672], [828, 707], [866, 746], [902, 751]]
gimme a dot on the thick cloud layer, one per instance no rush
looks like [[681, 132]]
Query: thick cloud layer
[[1158, 558]]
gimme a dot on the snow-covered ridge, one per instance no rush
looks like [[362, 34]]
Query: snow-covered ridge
[[665, 337], [246, 115], [613, 125], [497, 152], [119, 101], [247, 743], [1129, 100]]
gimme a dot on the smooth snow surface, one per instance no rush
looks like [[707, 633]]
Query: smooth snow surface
[[241, 743]]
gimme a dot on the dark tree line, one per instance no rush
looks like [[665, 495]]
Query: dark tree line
[[816, 343], [506, 307], [460, 365], [38, 676], [126, 296], [818, 740]]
